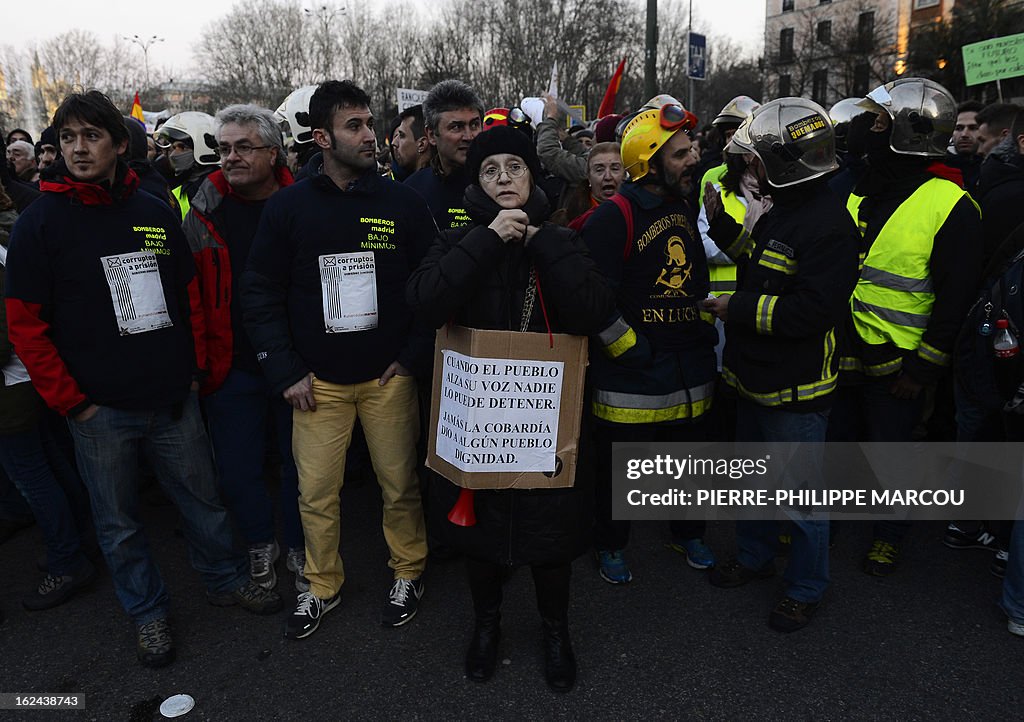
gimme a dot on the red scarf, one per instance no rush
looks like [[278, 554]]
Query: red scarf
[[92, 194]]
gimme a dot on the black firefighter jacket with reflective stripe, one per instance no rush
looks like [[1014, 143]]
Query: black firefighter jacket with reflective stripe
[[658, 362], [796, 272]]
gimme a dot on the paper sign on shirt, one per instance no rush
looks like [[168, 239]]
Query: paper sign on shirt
[[349, 282], [136, 291]]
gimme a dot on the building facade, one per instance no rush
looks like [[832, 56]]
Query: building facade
[[828, 50]]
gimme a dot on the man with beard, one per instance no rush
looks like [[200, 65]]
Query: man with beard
[[323, 301], [921, 257], [410, 150], [796, 269], [654, 380]]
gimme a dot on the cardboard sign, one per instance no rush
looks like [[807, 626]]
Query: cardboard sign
[[506, 408], [994, 59]]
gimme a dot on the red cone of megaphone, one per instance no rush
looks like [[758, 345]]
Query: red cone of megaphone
[[462, 513]]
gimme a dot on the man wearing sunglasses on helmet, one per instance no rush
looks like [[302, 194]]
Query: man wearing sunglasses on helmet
[[654, 380]]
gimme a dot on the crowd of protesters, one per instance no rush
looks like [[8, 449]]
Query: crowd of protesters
[[252, 297]]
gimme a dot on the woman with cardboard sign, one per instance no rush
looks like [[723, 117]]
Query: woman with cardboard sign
[[512, 271]]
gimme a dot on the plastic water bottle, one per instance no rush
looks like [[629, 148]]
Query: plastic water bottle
[[1005, 343], [1008, 359]]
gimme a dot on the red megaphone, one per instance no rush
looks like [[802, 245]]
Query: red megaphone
[[462, 513]]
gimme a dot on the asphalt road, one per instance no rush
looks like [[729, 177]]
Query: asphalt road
[[925, 643]]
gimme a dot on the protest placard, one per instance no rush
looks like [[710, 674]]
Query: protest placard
[[995, 59], [506, 408]]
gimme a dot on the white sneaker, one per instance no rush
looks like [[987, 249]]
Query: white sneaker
[[296, 563], [1015, 628], [261, 564]]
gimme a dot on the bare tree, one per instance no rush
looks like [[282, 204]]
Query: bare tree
[[79, 60], [257, 52], [12, 87]]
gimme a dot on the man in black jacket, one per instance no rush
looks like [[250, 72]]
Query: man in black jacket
[[795, 274], [453, 115], [964, 156], [1001, 188], [655, 378], [323, 300], [100, 310]]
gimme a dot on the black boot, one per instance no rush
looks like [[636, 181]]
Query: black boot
[[559, 661], [482, 655], [485, 582]]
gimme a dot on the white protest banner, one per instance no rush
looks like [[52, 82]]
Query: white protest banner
[[499, 414], [408, 98]]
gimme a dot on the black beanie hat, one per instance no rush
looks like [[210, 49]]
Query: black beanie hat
[[501, 139], [48, 137], [138, 147]]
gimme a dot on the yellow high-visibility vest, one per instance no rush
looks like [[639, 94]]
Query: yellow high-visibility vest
[[723, 276], [894, 297], [182, 198]]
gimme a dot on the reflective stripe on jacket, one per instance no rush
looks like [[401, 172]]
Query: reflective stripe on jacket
[[894, 297]]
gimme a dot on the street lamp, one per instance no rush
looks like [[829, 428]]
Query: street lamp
[[145, 44], [325, 14]]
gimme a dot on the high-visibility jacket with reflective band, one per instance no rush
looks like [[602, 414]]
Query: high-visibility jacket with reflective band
[[894, 297], [182, 197], [795, 277], [723, 275], [656, 362]]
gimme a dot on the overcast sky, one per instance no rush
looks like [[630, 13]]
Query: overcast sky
[[182, 21]]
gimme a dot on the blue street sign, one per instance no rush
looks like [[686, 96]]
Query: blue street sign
[[698, 57]]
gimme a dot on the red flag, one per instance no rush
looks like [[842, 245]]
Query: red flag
[[608, 103]]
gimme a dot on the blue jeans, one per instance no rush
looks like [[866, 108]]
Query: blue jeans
[[54, 492], [1013, 582], [238, 414], [807, 570], [613, 534], [13, 506], [107, 447], [869, 412]]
